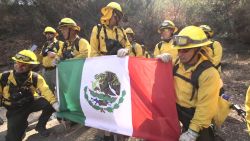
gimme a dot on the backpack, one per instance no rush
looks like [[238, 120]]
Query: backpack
[[195, 74]]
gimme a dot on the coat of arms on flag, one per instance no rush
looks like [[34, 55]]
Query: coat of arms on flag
[[105, 94]]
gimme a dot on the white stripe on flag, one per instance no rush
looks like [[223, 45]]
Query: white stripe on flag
[[120, 120]]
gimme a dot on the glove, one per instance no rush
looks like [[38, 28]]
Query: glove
[[51, 54], [165, 57], [56, 106], [122, 52], [189, 135]]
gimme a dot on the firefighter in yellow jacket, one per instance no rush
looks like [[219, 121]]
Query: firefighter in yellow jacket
[[196, 102], [136, 49], [247, 105], [167, 30], [50, 54], [108, 38], [74, 46], [18, 89], [213, 51]]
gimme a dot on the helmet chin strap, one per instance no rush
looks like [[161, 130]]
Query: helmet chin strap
[[69, 31]]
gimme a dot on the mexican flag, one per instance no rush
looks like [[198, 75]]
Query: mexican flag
[[130, 96]]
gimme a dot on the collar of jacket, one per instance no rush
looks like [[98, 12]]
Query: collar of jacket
[[167, 42]]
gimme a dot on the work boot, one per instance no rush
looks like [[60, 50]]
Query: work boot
[[43, 132]]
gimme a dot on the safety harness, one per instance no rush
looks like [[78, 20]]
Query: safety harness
[[54, 47], [4, 81], [160, 45], [195, 74], [99, 28], [68, 53]]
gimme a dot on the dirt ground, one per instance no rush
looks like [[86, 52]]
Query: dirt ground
[[235, 74]]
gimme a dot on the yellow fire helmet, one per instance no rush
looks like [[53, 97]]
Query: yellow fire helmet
[[49, 29], [112, 5], [190, 37], [129, 31], [167, 24], [207, 29], [69, 23], [26, 56]]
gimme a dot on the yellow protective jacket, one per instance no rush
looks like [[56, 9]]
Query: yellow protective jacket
[[165, 47], [97, 39], [247, 105], [80, 47], [56, 46], [41, 86], [136, 50], [214, 53], [205, 99]]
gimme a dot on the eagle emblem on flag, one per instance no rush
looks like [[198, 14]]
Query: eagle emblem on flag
[[105, 93]]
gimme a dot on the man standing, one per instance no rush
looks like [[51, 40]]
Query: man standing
[[19, 88], [214, 50], [136, 49], [50, 54], [167, 30], [74, 46], [108, 38]]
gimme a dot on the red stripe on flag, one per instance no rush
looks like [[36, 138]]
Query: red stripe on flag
[[154, 114]]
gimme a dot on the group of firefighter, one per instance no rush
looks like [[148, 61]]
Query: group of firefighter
[[196, 58]]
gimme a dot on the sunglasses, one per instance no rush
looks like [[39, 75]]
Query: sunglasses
[[23, 58]]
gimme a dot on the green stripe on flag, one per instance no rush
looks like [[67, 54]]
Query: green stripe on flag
[[69, 76]]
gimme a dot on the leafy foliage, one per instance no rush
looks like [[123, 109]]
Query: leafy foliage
[[229, 18]]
